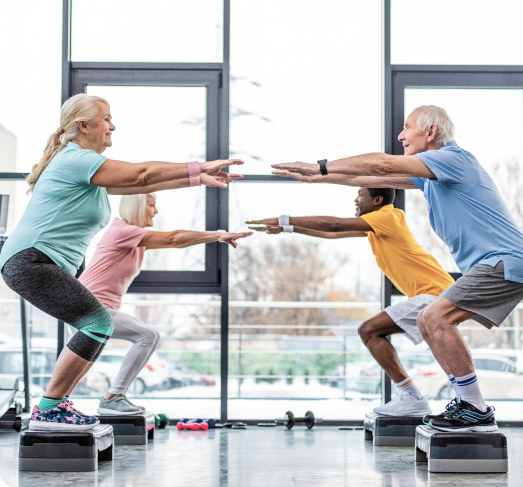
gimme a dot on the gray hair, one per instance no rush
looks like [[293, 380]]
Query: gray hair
[[132, 208], [433, 115]]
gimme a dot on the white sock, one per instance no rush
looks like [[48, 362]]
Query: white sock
[[407, 386], [455, 385], [469, 391]]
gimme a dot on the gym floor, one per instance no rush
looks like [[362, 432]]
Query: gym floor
[[324, 456]]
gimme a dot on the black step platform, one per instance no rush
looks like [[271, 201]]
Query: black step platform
[[391, 430], [136, 429], [461, 452], [59, 451]]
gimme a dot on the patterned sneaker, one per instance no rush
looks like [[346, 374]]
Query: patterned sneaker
[[118, 405], [61, 418], [448, 408], [405, 405], [74, 410], [464, 418]]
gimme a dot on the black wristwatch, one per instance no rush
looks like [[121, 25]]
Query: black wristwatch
[[323, 167]]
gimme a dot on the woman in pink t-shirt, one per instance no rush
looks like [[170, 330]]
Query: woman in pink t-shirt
[[116, 262]]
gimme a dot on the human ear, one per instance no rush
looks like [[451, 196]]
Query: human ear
[[83, 127], [433, 131]]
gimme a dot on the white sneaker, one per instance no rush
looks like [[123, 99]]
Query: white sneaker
[[405, 405]]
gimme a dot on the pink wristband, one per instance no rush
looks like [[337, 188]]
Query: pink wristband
[[194, 173]]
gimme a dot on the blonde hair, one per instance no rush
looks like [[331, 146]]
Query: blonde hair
[[79, 108], [132, 208], [433, 115]]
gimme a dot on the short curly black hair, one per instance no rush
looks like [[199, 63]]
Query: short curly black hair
[[389, 194]]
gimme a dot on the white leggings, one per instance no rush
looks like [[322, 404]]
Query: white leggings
[[144, 339]]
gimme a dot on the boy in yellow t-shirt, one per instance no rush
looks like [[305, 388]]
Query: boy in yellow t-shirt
[[413, 271]]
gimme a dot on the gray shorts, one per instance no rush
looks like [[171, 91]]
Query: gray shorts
[[483, 290]]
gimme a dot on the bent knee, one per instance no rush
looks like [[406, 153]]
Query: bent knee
[[365, 331]]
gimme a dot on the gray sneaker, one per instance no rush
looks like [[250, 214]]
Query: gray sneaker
[[119, 404]]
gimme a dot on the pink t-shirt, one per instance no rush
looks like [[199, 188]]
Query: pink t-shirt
[[116, 262]]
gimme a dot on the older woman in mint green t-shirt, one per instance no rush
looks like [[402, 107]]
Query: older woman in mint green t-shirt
[[68, 207]]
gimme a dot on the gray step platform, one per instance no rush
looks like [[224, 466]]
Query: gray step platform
[[461, 452], [59, 451], [391, 430], [136, 429]]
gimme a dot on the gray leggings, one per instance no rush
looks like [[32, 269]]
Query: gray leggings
[[144, 339]]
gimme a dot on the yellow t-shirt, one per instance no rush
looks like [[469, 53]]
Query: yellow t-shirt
[[403, 260]]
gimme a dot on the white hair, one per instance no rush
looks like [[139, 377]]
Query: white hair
[[433, 115], [132, 208]]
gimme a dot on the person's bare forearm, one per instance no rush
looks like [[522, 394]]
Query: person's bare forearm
[[180, 239], [320, 223], [153, 188], [328, 235], [368, 181]]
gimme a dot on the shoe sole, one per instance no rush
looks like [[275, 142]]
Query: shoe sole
[[417, 415], [50, 426], [467, 429], [112, 412]]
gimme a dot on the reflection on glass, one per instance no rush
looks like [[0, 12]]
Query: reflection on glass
[[489, 124], [295, 306], [297, 93], [153, 31], [468, 21], [162, 124], [31, 40]]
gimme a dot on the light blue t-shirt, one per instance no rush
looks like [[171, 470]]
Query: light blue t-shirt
[[468, 213], [65, 211]]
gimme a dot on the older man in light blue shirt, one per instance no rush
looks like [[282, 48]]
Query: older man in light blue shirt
[[468, 213]]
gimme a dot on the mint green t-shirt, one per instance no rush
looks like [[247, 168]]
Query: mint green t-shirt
[[65, 212]]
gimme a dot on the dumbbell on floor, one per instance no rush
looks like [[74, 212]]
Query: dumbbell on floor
[[290, 420]]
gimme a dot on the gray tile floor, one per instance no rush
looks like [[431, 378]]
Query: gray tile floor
[[324, 456]]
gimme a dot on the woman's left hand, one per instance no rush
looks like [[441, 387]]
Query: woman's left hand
[[230, 238], [273, 230]]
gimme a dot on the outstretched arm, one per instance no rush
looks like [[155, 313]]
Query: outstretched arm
[[180, 239], [274, 230], [356, 181], [317, 223], [373, 164], [120, 174], [179, 183]]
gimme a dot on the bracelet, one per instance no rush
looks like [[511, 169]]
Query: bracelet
[[288, 228], [194, 173], [323, 167], [284, 220]]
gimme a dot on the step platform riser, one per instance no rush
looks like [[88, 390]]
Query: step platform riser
[[58, 451], [391, 430], [132, 429], [461, 452]]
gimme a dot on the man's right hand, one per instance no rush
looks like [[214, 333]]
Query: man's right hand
[[299, 177], [274, 230], [266, 221]]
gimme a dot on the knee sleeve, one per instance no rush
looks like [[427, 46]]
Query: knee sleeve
[[95, 330]]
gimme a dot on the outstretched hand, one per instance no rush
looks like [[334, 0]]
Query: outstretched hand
[[269, 229], [297, 167], [230, 238], [265, 221], [219, 180], [298, 176], [213, 168]]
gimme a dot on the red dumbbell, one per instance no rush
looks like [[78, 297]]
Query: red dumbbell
[[192, 426]]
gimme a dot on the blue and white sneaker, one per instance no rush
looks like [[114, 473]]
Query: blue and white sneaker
[[448, 408], [61, 418], [466, 418]]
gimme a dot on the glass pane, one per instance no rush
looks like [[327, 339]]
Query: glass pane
[[31, 40], [182, 377], [295, 306], [176, 133], [153, 31], [476, 113], [464, 32], [298, 93]]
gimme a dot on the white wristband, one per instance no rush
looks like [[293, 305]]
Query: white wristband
[[284, 220], [221, 231], [288, 228]]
